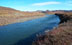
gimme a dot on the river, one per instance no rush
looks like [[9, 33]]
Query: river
[[24, 33]]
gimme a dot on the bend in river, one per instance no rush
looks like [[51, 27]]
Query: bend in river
[[16, 34]]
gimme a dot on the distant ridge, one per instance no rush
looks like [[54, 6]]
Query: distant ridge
[[6, 8], [56, 11]]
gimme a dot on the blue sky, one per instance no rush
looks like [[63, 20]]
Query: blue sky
[[33, 5]]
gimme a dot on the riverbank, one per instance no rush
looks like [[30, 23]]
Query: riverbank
[[5, 20], [61, 35]]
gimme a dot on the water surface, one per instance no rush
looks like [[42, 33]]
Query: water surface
[[17, 34]]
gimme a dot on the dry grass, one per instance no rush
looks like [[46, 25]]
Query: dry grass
[[58, 36]]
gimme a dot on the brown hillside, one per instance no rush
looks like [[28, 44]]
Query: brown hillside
[[9, 15]]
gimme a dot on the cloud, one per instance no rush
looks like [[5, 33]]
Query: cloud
[[45, 3]]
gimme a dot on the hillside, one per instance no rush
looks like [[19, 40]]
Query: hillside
[[9, 16]]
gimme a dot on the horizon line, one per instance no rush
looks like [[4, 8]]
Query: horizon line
[[36, 10]]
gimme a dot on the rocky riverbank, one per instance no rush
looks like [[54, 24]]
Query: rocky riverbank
[[61, 35]]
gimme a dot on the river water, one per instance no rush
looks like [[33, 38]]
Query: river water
[[24, 33]]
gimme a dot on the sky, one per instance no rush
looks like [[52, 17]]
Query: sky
[[33, 5]]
